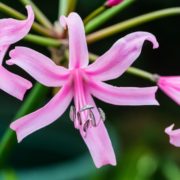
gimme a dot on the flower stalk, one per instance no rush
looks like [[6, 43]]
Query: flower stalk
[[94, 14], [43, 41], [66, 6], [119, 27], [141, 73]]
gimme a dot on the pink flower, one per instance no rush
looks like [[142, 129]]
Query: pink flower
[[111, 3], [81, 82], [174, 135], [11, 31], [170, 85]]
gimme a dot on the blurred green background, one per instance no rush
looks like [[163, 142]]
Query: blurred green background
[[143, 151]]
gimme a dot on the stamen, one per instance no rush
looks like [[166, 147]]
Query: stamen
[[86, 125], [92, 118], [72, 113], [102, 114], [79, 118]]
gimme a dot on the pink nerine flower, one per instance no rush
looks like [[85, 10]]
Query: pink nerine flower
[[11, 31], [81, 82], [170, 85], [111, 3], [174, 135]]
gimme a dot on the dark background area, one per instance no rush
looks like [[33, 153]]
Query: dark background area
[[142, 148]]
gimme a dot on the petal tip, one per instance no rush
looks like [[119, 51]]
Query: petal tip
[[12, 52], [154, 41], [29, 85], [156, 102], [111, 162], [30, 12], [9, 62], [155, 44], [19, 139], [168, 130], [14, 128]]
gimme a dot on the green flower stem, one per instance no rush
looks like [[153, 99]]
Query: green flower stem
[[94, 14], [39, 14], [142, 73], [112, 30], [106, 15], [66, 6], [9, 138], [41, 40], [13, 13], [10, 11], [133, 71], [71, 5]]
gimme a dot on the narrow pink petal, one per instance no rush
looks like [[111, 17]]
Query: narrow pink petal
[[78, 51], [174, 135], [3, 50], [120, 56], [98, 141], [44, 116], [171, 86], [13, 84], [39, 66], [123, 95], [12, 30]]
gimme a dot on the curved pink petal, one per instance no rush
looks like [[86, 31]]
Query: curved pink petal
[[44, 116], [12, 30], [3, 50], [78, 51], [98, 141], [170, 85], [174, 135], [120, 56], [38, 66], [13, 84], [123, 95]]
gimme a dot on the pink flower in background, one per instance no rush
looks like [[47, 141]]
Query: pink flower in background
[[174, 135], [111, 3], [11, 31], [80, 82], [170, 85]]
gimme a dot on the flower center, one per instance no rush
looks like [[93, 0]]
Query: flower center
[[84, 114]]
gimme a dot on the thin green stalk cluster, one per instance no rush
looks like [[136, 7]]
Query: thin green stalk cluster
[[127, 24]]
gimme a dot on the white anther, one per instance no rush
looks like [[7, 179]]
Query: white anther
[[102, 114], [86, 107], [72, 113], [86, 126]]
